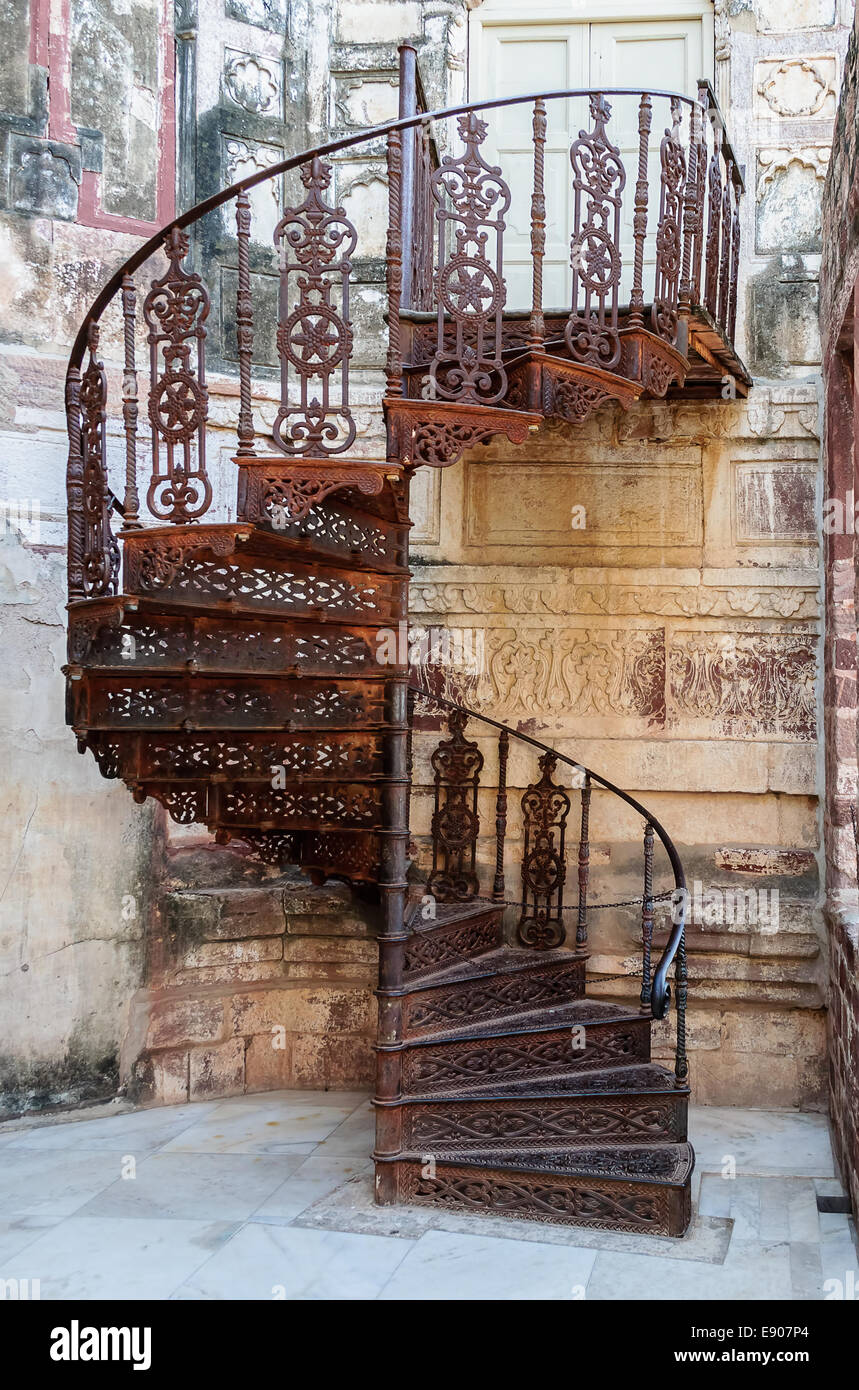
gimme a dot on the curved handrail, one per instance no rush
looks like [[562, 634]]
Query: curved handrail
[[660, 989], [346, 142]]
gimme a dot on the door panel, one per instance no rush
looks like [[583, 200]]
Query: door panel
[[513, 58]]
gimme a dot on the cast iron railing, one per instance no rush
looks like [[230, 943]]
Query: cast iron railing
[[457, 764], [451, 344]]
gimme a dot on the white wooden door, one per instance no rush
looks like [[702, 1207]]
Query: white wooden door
[[514, 49]]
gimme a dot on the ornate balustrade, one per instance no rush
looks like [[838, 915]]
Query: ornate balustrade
[[463, 364], [550, 813]]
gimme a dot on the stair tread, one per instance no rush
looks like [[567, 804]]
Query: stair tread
[[668, 1163], [577, 1011], [502, 961], [631, 1079], [448, 913]]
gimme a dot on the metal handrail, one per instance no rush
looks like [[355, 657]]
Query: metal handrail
[[217, 200], [661, 990]]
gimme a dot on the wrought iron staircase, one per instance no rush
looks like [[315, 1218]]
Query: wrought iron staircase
[[240, 670]]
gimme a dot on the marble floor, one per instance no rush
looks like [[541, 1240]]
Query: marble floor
[[270, 1197]]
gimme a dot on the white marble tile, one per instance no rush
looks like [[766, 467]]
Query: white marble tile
[[446, 1266], [715, 1195], [750, 1271], [806, 1270], [53, 1183], [762, 1142], [195, 1186], [291, 1262], [100, 1257], [355, 1136], [267, 1126], [315, 1178], [16, 1235], [142, 1131]]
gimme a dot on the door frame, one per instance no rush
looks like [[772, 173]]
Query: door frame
[[560, 12]]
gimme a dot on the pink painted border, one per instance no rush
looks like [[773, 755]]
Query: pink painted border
[[50, 47]]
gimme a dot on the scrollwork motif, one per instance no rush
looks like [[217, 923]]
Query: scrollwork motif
[[314, 334]]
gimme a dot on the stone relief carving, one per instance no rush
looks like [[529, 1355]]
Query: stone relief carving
[[761, 683], [775, 161], [243, 157], [543, 673], [364, 99], [252, 82], [788, 602], [798, 87]]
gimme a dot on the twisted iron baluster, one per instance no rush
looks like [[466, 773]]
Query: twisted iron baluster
[[639, 219], [647, 918], [75, 487], [131, 505], [244, 327], [681, 1064], [584, 865], [393, 369], [691, 215], [501, 817], [538, 227]]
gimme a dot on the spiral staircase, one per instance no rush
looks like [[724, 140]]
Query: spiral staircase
[[248, 674]]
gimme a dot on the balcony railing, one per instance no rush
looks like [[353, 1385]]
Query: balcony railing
[[654, 263]]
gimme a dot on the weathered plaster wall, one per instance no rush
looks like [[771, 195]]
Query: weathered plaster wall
[[86, 140]]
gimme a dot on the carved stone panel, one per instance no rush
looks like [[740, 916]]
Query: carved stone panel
[[745, 684], [518, 506], [775, 502], [253, 83], [797, 87]]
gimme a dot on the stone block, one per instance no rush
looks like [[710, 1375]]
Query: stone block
[[217, 1071], [268, 1068], [310, 1009], [44, 177], [177, 1022], [234, 952]]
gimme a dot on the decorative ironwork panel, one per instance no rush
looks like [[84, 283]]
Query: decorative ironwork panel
[[314, 335], [714, 224], [471, 199], [599, 179], [457, 764], [463, 1124], [545, 808], [175, 310], [101, 552], [669, 235]]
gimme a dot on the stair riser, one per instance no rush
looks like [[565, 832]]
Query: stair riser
[[254, 584], [182, 757], [475, 1001], [207, 702], [433, 1126], [598, 1203], [440, 1066], [169, 642], [452, 943]]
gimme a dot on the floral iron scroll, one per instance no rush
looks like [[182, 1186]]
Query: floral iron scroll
[[175, 310], [471, 199], [457, 763], [669, 236], [599, 179], [545, 808], [314, 335]]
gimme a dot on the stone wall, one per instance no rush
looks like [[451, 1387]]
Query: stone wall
[[839, 272]]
